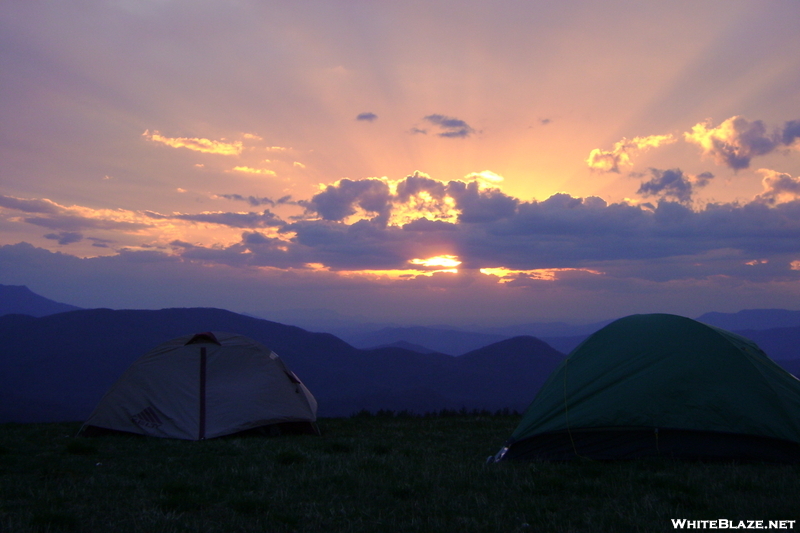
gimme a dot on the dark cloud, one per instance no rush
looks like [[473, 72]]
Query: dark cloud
[[65, 237], [481, 205], [450, 127], [361, 245], [424, 224], [339, 201], [30, 206], [791, 131], [234, 220], [702, 179], [630, 251], [667, 184], [76, 223], [418, 183], [673, 184], [255, 201], [560, 232], [475, 204], [368, 117]]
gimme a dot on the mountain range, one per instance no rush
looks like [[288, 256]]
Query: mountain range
[[57, 365]]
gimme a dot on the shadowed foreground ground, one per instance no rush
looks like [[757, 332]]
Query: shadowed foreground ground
[[366, 473]]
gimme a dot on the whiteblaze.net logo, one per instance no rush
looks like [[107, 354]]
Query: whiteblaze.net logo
[[722, 523]]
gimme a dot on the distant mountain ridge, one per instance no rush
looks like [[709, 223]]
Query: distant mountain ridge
[[20, 299], [57, 367], [447, 341], [752, 319], [456, 341]]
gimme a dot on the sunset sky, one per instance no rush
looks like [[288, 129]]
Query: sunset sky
[[432, 162]]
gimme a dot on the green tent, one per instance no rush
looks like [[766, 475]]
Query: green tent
[[662, 385]]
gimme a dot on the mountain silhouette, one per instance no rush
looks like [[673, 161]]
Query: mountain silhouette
[[57, 367], [20, 299]]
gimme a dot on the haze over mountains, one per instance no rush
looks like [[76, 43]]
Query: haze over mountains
[[56, 365]]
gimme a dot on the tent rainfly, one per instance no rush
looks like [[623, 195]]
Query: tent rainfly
[[662, 385], [203, 386]]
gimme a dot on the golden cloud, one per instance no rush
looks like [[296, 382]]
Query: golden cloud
[[779, 187], [507, 275], [734, 142], [207, 146], [610, 161], [251, 170]]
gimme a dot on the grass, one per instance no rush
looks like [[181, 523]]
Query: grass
[[365, 474]]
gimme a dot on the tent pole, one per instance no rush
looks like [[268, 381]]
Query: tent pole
[[202, 434]]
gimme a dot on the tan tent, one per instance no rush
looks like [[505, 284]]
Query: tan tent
[[204, 386]]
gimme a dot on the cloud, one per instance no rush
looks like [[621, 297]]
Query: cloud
[[564, 243], [791, 131], [737, 140], [207, 146], [667, 183], [255, 201], [69, 222], [341, 200], [372, 228], [43, 206], [251, 170], [99, 243], [779, 187], [702, 179], [480, 205], [65, 237], [415, 196], [562, 232], [449, 127], [233, 220], [367, 117], [425, 224], [673, 184], [620, 155]]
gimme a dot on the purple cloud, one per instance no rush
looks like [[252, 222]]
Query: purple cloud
[[450, 127], [234, 220], [65, 237]]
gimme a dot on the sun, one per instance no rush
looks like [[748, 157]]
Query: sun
[[443, 261]]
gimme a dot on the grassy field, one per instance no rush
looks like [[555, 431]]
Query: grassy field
[[366, 473]]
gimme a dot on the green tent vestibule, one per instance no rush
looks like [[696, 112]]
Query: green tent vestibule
[[662, 385]]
